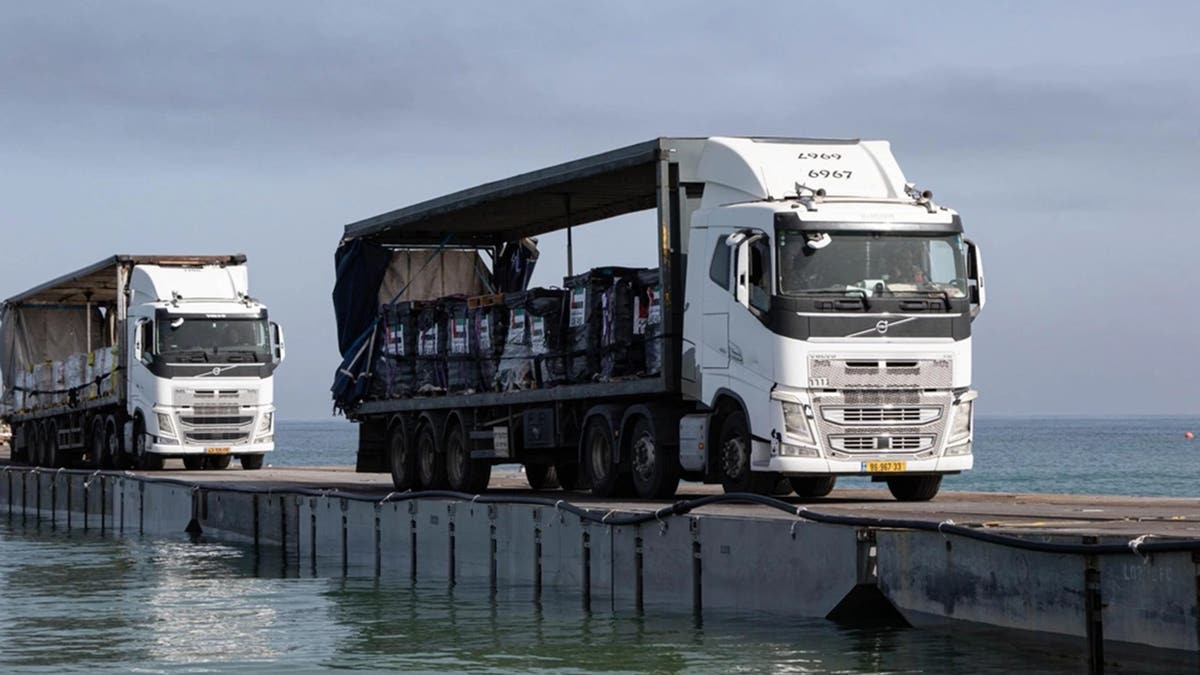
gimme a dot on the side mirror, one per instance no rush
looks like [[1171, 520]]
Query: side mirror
[[278, 351], [975, 285]]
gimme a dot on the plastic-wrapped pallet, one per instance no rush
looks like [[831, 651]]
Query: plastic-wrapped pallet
[[396, 352], [107, 373], [489, 324], [75, 378], [545, 307], [516, 367], [21, 382], [431, 349], [43, 385], [581, 341], [59, 397], [647, 323], [462, 370]]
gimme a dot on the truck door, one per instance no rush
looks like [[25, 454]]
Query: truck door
[[751, 349], [714, 352]]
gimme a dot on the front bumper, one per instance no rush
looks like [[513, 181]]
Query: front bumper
[[822, 466], [179, 450]]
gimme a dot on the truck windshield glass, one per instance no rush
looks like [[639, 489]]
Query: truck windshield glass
[[873, 263], [204, 340]]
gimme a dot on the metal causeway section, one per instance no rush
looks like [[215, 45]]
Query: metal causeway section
[[1104, 600]]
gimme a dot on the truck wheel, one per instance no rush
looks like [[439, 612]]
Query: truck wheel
[[20, 449], [50, 454], [193, 462], [809, 487], [463, 473], [599, 448], [734, 456], [541, 476], [914, 488], [146, 461], [251, 462], [431, 464], [217, 462], [37, 447], [655, 467], [114, 444], [97, 458], [402, 459]]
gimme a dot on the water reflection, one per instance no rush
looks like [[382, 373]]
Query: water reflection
[[88, 601]]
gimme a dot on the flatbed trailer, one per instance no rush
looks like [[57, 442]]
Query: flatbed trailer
[[702, 413]]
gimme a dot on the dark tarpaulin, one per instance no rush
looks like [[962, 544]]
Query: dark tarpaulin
[[360, 266]]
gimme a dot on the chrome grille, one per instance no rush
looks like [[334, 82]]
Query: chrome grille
[[882, 414], [880, 373], [215, 397], [233, 420], [881, 443]]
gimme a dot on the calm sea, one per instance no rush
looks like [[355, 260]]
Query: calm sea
[[1120, 455], [86, 602]]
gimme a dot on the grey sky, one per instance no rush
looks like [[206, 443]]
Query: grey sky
[[1066, 135]]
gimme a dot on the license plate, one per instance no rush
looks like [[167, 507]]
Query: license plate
[[216, 451], [883, 467]]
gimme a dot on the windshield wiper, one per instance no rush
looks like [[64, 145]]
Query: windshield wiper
[[838, 290], [188, 355], [941, 292]]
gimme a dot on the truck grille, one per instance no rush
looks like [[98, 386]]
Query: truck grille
[[882, 415], [882, 423], [880, 373], [209, 436], [877, 443]]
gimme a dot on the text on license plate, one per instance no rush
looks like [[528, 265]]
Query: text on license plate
[[216, 451], [883, 467]]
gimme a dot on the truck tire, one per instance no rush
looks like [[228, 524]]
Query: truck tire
[[810, 487], [599, 448], [431, 461], [463, 473], [97, 458], [50, 453], [914, 488], [217, 462], [541, 476], [20, 448], [114, 444], [655, 467], [401, 459], [733, 453], [251, 462], [146, 461], [193, 462], [37, 437]]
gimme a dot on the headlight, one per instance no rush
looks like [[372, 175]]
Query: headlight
[[962, 421], [795, 422], [164, 425], [265, 425], [789, 450], [960, 449]]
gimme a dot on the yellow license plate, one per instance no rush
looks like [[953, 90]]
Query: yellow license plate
[[883, 467], [216, 451]]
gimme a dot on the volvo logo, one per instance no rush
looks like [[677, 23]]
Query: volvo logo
[[883, 326]]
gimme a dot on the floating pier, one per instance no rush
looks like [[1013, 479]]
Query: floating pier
[[1104, 579]]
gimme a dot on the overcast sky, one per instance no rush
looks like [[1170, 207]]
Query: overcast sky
[[1067, 135]]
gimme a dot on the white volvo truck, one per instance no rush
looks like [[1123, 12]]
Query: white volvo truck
[[816, 323], [139, 358]]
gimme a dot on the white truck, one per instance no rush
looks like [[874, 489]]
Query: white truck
[[816, 315], [135, 359]]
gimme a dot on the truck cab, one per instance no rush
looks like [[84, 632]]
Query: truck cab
[[830, 303], [202, 363]]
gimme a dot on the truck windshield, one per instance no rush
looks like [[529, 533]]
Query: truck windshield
[[205, 340], [871, 263]]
